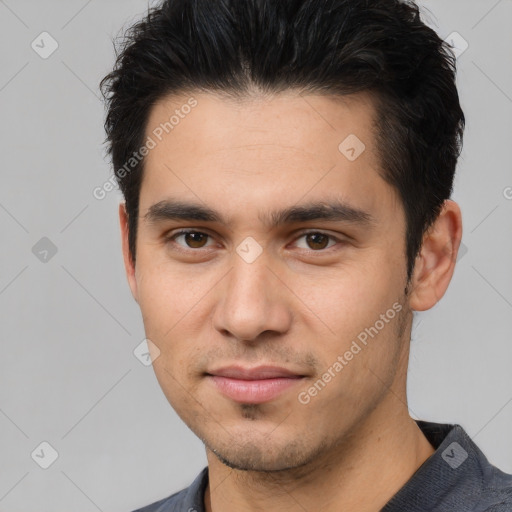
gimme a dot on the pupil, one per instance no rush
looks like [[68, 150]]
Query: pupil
[[314, 239], [194, 238]]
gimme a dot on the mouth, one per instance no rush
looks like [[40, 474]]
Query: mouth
[[253, 385]]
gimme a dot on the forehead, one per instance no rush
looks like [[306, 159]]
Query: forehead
[[291, 120], [262, 149]]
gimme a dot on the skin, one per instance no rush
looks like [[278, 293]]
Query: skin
[[298, 305]]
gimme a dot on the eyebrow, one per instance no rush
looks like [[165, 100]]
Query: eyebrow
[[325, 210]]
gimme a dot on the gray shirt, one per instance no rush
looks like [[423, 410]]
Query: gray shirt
[[456, 478]]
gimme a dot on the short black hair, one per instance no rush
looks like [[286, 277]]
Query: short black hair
[[331, 47]]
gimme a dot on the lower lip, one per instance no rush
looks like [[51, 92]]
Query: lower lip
[[253, 391]]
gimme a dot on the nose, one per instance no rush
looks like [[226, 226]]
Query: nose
[[252, 301]]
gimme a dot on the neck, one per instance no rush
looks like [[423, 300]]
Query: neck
[[364, 472]]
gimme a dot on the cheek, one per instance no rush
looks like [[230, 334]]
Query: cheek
[[162, 309], [168, 293], [344, 302]]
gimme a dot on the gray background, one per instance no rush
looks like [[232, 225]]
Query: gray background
[[69, 324]]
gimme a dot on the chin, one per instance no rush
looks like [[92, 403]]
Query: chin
[[264, 456]]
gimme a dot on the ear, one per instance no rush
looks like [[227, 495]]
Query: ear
[[128, 263], [435, 263]]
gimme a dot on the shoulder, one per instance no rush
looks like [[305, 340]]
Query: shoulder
[[190, 499], [496, 490], [456, 477], [490, 487], [168, 504]]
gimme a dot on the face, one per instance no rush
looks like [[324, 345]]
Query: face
[[270, 273]]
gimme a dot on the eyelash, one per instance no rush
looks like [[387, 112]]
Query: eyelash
[[171, 238]]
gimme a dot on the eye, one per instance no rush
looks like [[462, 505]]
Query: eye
[[317, 241], [192, 239]]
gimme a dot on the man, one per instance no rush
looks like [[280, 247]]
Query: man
[[287, 170]]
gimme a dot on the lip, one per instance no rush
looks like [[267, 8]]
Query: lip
[[253, 385], [256, 373]]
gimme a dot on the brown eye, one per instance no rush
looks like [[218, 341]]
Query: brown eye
[[192, 239], [317, 241], [195, 240]]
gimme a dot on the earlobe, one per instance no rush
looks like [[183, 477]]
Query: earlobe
[[128, 263], [436, 261]]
